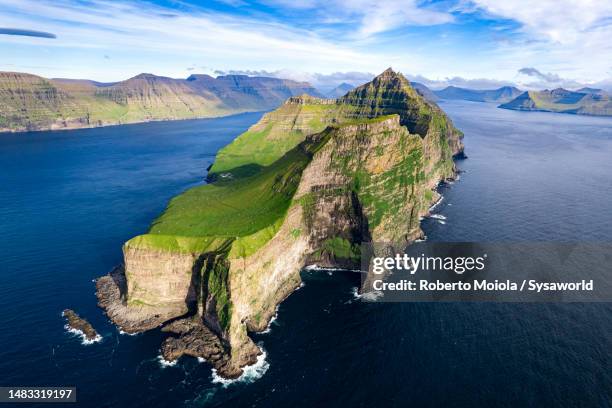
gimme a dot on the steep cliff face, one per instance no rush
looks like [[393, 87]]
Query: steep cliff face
[[30, 102], [352, 170]]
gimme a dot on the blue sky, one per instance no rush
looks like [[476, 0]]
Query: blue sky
[[477, 43]]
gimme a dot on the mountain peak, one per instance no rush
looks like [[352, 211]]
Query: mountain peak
[[390, 79], [144, 75], [196, 77], [391, 92], [387, 74]]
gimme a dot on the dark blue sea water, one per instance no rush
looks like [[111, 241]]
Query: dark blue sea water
[[68, 200]]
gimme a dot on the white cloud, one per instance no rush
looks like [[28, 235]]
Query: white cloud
[[129, 27], [372, 16], [569, 36], [562, 21]]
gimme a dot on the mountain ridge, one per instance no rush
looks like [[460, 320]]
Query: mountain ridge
[[29, 102], [502, 94], [340, 90]]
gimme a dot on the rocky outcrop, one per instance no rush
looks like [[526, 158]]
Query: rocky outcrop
[[361, 168], [76, 322], [196, 340], [131, 314]]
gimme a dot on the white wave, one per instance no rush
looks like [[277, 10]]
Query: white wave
[[272, 320], [437, 216], [442, 222], [201, 360], [436, 203], [127, 334], [371, 296], [250, 373], [84, 340], [165, 363], [328, 269], [368, 296]]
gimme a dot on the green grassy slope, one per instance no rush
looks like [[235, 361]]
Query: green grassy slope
[[277, 133], [248, 210], [238, 207]]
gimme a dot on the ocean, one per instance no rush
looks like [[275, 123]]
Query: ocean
[[69, 199]]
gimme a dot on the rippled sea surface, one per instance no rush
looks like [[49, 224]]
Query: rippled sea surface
[[68, 200]]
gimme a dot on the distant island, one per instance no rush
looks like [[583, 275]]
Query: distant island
[[340, 90], [305, 185], [584, 101], [29, 102], [500, 95]]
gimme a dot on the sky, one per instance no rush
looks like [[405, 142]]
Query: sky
[[472, 43]]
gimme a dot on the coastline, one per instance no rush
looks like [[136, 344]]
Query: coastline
[[51, 129]]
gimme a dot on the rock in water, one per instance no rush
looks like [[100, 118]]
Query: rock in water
[[78, 323]]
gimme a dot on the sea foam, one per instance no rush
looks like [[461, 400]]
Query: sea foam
[[250, 373], [84, 340], [272, 320], [165, 363]]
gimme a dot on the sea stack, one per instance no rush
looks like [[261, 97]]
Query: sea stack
[[76, 322]]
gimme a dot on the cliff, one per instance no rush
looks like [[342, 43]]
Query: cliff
[[307, 184], [29, 102], [586, 101]]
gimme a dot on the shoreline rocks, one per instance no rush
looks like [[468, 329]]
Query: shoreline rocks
[[196, 340], [78, 323]]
